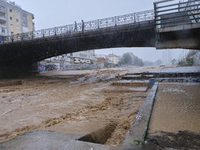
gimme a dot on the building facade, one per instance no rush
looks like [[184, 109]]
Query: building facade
[[166, 57], [83, 57], [114, 58], [14, 20]]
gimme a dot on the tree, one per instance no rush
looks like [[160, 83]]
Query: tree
[[158, 62], [140, 63], [121, 62], [127, 59], [174, 62], [148, 63], [189, 61], [135, 61]]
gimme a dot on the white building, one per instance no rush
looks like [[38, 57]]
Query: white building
[[87, 55], [114, 58], [83, 56], [166, 57], [100, 56]]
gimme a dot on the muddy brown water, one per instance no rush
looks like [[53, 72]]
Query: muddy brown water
[[175, 119], [76, 103]]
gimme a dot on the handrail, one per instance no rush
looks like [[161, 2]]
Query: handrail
[[173, 4], [83, 26], [177, 13], [165, 10], [163, 1]]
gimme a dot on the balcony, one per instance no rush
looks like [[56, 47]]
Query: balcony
[[2, 34], [3, 25], [2, 10], [2, 18]]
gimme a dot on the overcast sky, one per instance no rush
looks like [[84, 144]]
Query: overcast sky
[[53, 13]]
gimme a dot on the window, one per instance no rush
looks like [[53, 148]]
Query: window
[[11, 18], [17, 13], [10, 10], [25, 23], [17, 27], [17, 20], [3, 30], [25, 16], [11, 25], [12, 33]]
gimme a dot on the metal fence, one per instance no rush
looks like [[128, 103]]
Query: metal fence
[[173, 13], [83, 26]]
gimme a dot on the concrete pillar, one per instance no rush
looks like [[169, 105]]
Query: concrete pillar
[[7, 72]]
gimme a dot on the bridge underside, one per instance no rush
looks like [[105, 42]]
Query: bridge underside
[[185, 37], [28, 52]]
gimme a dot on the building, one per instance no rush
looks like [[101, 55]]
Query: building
[[77, 58], [166, 57], [14, 20], [114, 58], [100, 55], [87, 57], [133, 58]]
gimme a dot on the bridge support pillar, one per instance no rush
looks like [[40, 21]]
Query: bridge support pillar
[[8, 72]]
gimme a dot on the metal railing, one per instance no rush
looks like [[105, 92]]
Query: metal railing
[[83, 26], [3, 18], [2, 9], [176, 13]]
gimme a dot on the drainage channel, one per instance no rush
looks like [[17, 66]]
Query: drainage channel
[[163, 77], [136, 137], [100, 136], [137, 134]]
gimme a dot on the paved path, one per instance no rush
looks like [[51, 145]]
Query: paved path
[[46, 140]]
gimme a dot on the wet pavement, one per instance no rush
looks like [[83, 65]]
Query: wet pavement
[[175, 118], [46, 140]]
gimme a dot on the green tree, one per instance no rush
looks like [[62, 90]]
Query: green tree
[[140, 62], [121, 62], [174, 62], [158, 62], [190, 61], [136, 61], [127, 59]]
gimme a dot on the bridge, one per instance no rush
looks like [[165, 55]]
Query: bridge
[[169, 25]]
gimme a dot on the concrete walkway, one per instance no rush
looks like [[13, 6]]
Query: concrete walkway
[[46, 140], [137, 133]]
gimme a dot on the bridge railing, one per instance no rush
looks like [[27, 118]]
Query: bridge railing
[[173, 13], [81, 27]]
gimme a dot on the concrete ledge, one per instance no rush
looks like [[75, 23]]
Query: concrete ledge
[[137, 77], [180, 27], [134, 83], [47, 140], [138, 130], [189, 43]]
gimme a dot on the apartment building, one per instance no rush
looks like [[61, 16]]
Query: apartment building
[[14, 20], [166, 57], [114, 58], [83, 56]]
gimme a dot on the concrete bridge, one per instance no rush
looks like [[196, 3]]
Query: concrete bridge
[[132, 30], [170, 25]]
